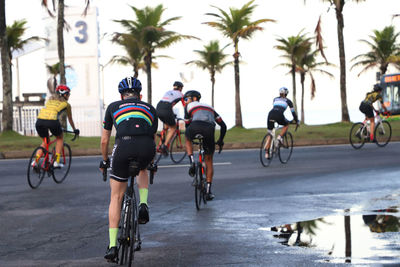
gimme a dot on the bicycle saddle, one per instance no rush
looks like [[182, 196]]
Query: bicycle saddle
[[198, 136], [133, 168]]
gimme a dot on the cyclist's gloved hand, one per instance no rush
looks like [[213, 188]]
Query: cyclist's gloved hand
[[192, 169], [76, 131], [220, 143], [104, 164], [152, 167]]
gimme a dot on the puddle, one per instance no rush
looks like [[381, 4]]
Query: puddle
[[372, 238]]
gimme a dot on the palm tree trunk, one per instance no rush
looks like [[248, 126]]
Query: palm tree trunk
[[302, 78], [147, 59], [293, 71], [60, 40], [7, 116], [347, 230], [342, 59], [238, 110], [212, 87]]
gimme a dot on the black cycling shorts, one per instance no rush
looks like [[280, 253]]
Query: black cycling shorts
[[43, 127], [165, 113], [207, 130], [138, 148], [276, 116], [367, 109]]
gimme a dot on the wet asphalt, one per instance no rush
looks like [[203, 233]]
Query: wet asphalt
[[66, 224]]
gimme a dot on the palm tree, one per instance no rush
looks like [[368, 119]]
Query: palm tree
[[236, 25], [151, 34], [338, 5], [293, 48], [7, 114], [307, 65], [61, 24], [212, 58], [384, 50], [133, 50]]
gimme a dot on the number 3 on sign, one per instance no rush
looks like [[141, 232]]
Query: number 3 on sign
[[83, 36]]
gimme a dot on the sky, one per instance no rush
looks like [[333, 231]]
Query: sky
[[260, 73]]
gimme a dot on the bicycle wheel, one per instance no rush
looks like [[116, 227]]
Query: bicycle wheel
[[158, 142], [134, 237], [36, 174], [123, 232], [177, 149], [266, 161], [356, 136], [198, 187], [383, 133], [286, 148], [59, 174]]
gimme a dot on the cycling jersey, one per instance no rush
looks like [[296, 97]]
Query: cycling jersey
[[131, 117], [280, 104], [53, 109], [196, 111], [372, 97], [173, 97]]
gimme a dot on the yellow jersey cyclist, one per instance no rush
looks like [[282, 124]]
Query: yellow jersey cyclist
[[136, 125], [367, 108], [48, 119], [166, 114], [201, 119], [280, 104]]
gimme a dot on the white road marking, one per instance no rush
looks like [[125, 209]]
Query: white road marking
[[187, 165]]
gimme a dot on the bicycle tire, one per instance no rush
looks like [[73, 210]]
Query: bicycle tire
[[123, 228], [177, 149], [36, 174], [132, 230], [198, 187], [356, 135], [264, 161], [59, 174], [383, 133], [285, 149]]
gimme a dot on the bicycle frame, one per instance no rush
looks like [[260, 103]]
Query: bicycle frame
[[163, 134]]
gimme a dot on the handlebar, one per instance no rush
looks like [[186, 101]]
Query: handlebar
[[72, 132]]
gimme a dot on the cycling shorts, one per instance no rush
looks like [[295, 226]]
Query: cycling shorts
[[367, 109], [165, 113], [43, 127], [207, 130], [276, 116], [138, 148]]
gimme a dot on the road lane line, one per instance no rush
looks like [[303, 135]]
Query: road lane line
[[187, 165]]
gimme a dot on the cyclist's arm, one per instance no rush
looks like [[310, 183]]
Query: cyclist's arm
[[105, 140], [222, 124], [291, 106], [71, 121]]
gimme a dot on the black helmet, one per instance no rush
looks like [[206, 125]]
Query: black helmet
[[129, 84], [192, 93], [178, 84], [377, 87]]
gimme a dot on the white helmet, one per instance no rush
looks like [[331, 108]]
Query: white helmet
[[283, 90]]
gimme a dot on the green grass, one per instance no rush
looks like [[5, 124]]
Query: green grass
[[11, 141]]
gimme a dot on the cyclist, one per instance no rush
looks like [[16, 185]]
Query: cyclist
[[280, 104], [48, 119], [201, 119], [166, 114], [136, 124], [367, 108]]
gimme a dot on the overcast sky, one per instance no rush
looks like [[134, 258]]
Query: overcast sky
[[260, 76]]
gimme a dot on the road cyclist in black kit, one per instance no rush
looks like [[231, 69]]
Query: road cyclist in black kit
[[201, 119], [280, 104], [166, 114], [136, 124]]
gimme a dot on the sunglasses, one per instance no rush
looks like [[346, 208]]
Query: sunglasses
[[186, 98]]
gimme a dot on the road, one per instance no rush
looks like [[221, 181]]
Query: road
[[66, 224]]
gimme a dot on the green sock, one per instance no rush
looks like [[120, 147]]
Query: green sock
[[113, 232], [143, 193]]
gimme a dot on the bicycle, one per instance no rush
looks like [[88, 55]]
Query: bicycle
[[176, 147], [360, 132], [129, 239], [199, 181], [44, 164], [284, 148]]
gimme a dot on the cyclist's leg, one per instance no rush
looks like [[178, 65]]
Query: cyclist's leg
[[372, 128], [43, 132], [143, 187], [209, 148], [56, 130], [271, 122], [189, 149], [114, 210]]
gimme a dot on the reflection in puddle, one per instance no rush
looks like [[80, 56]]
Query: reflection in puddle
[[371, 238]]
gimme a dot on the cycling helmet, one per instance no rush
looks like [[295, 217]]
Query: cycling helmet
[[62, 89], [378, 87], [178, 84], [283, 90], [192, 93], [129, 84]]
